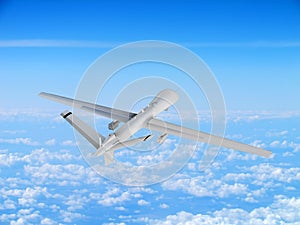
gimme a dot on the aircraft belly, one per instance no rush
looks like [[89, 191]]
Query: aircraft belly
[[132, 126]]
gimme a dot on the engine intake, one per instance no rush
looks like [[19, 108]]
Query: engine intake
[[113, 125]]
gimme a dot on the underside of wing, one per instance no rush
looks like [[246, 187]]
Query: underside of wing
[[173, 129], [115, 114]]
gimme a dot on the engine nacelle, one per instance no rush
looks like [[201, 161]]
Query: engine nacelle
[[162, 138], [113, 125]]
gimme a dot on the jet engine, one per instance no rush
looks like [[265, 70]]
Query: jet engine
[[113, 125]]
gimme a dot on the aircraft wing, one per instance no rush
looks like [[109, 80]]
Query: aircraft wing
[[165, 127], [115, 114]]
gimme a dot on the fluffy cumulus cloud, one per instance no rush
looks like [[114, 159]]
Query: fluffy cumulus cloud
[[62, 175], [143, 202], [35, 157], [30, 180], [119, 196], [50, 142], [164, 206], [250, 185], [283, 211], [292, 146], [235, 155], [19, 140], [266, 172], [51, 184], [276, 133], [204, 186], [68, 143], [265, 175], [47, 221], [112, 197]]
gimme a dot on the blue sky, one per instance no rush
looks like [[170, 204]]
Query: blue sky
[[253, 48]]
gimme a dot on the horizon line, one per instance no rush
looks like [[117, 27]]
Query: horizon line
[[42, 43]]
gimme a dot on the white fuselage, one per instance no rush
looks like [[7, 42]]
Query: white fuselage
[[161, 102]]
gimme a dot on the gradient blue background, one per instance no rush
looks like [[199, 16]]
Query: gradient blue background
[[253, 48]]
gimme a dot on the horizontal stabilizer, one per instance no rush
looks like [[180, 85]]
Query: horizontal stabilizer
[[109, 154], [131, 142], [84, 129]]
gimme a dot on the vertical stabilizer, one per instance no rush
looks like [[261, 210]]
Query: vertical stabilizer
[[109, 157], [84, 129]]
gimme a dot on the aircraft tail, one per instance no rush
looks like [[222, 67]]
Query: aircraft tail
[[97, 139], [84, 129], [109, 154]]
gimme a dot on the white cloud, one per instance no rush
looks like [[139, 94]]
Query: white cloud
[[10, 192], [7, 217], [8, 159], [41, 156], [258, 144], [47, 221], [112, 223], [36, 157], [117, 196], [275, 144], [163, 206], [75, 202], [205, 185], [265, 172], [236, 155], [29, 43], [226, 190], [20, 221], [105, 44], [153, 157], [50, 142], [44, 168], [9, 204], [13, 131], [26, 114], [283, 211], [68, 217], [250, 116], [68, 143], [62, 175], [29, 195], [295, 146], [25, 141], [287, 154], [276, 133], [27, 216], [113, 197], [143, 189], [143, 202], [263, 176], [120, 208], [285, 144]]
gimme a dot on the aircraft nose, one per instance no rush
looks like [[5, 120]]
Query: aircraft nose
[[168, 95]]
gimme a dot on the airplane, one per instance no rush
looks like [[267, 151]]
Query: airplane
[[133, 122]]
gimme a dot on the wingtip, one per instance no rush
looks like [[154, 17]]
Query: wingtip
[[269, 155], [42, 94], [265, 153]]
